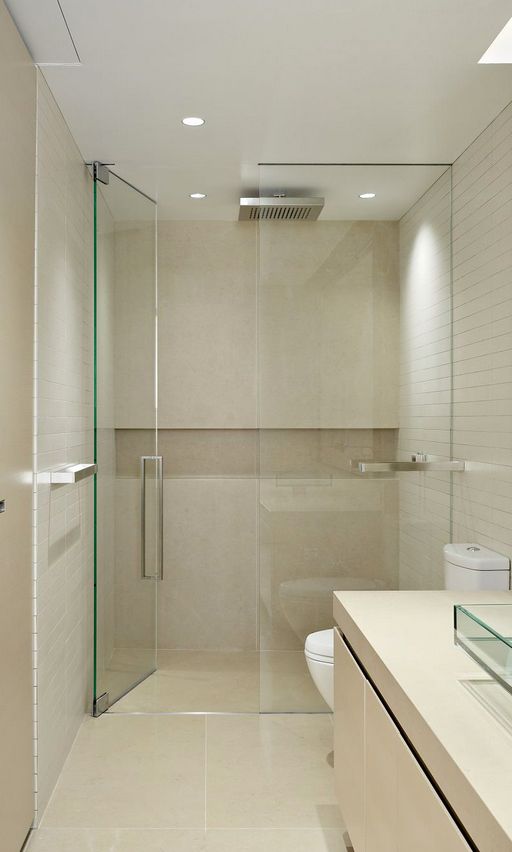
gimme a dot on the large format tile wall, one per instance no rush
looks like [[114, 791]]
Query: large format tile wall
[[425, 384], [482, 337], [63, 434], [328, 324], [208, 382], [232, 397]]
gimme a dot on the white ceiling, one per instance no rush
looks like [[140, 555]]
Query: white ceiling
[[396, 188], [348, 81]]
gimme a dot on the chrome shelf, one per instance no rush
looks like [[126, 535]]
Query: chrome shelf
[[67, 475], [422, 464]]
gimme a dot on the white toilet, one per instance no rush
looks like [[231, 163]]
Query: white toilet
[[468, 567], [319, 650]]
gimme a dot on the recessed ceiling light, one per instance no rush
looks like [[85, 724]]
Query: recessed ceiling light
[[198, 195], [367, 195], [192, 121], [500, 51]]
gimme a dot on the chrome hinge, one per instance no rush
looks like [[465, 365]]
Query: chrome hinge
[[100, 704]]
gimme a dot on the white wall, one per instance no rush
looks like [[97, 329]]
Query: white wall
[[63, 553]]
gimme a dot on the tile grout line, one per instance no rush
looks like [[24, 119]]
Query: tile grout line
[[205, 767]]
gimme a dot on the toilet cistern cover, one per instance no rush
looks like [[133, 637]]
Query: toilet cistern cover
[[474, 556], [321, 644]]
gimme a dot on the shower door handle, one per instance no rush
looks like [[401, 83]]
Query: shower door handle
[[152, 517]]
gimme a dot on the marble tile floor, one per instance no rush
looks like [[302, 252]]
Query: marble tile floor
[[163, 783], [219, 681]]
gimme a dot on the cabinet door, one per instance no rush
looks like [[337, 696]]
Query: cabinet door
[[349, 698], [381, 782], [424, 823]]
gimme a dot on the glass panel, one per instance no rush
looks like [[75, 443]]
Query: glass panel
[[341, 380], [125, 395], [485, 632]]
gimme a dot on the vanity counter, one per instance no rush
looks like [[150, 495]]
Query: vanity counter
[[458, 721]]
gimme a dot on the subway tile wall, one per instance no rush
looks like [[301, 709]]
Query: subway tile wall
[[63, 433], [482, 337], [480, 429], [425, 384]]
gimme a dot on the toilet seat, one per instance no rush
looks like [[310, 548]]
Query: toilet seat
[[320, 646]]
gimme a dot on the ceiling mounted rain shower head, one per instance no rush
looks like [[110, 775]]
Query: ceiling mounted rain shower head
[[280, 208]]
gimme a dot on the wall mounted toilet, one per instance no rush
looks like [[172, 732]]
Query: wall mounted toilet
[[308, 600], [319, 650], [468, 567]]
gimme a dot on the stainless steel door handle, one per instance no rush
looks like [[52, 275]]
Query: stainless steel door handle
[[159, 518]]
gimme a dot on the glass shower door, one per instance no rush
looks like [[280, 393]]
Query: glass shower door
[[128, 484]]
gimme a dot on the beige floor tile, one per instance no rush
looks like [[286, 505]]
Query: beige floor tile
[[184, 840], [275, 840], [286, 685], [129, 840], [125, 668], [133, 772], [201, 681], [270, 772]]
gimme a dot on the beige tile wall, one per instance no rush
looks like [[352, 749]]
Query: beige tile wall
[[328, 325], [315, 521], [207, 322], [331, 280], [135, 310], [63, 434], [482, 335], [425, 384], [208, 598]]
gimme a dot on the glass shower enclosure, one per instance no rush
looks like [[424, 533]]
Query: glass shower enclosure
[[354, 365], [128, 484], [302, 363]]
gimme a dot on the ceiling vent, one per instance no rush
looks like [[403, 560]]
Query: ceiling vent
[[280, 208]]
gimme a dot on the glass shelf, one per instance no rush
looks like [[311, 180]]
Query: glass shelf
[[485, 633]]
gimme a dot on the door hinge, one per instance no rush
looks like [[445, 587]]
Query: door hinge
[[100, 704]]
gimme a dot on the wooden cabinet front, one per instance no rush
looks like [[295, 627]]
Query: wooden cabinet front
[[386, 799]]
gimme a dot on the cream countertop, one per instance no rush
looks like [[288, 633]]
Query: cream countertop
[[405, 642]]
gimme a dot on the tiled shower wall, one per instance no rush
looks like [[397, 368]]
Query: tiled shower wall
[[482, 337], [63, 434], [241, 476], [425, 384], [481, 428]]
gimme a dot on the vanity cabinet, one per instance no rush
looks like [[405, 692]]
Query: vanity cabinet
[[349, 741], [386, 799]]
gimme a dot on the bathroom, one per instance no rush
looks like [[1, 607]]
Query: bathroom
[[257, 402]]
